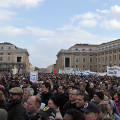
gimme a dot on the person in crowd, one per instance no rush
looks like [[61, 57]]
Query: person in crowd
[[47, 114], [112, 109], [26, 94], [104, 114], [54, 103], [32, 108], [81, 100], [55, 90], [46, 93], [91, 111], [72, 84], [16, 110], [3, 114], [117, 102], [91, 90], [72, 101], [63, 96], [3, 103], [25, 83], [73, 114], [83, 88], [98, 97]]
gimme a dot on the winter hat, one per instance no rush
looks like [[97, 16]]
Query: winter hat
[[100, 95]]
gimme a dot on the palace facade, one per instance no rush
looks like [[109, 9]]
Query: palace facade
[[13, 57], [90, 57]]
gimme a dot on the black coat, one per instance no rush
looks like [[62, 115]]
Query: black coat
[[16, 110], [45, 97], [63, 99], [68, 106]]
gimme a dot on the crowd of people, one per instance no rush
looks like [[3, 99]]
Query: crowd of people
[[59, 97]]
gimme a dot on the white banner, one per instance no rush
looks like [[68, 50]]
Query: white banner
[[113, 71], [33, 76]]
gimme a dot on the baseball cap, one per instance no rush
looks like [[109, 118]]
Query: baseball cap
[[91, 107], [47, 112]]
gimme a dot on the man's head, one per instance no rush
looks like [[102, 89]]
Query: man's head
[[98, 96], [71, 82], [33, 104], [91, 111], [61, 89], [27, 93], [47, 114], [46, 87], [16, 93], [103, 110], [25, 83], [73, 95], [82, 99], [73, 114]]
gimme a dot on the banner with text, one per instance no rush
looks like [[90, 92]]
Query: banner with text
[[113, 71]]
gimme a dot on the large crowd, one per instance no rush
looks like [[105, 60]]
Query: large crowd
[[59, 97]]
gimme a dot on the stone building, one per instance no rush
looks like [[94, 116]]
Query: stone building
[[90, 57], [13, 57]]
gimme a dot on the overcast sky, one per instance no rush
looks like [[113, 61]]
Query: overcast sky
[[44, 27]]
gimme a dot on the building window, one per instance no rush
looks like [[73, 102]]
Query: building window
[[114, 57], [1, 53], [8, 58], [9, 47], [1, 48], [77, 60], [19, 59], [1, 59], [67, 62], [83, 66], [83, 60], [110, 65], [110, 58], [90, 60], [103, 59], [119, 56], [99, 59], [96, 60], [8, 53], [106, 58], [76, 66]]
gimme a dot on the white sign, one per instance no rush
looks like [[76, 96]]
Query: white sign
[[113, 71], [15, 70], [33, 76]]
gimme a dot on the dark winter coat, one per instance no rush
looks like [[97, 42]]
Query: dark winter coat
[[68, 106], [16, 110]]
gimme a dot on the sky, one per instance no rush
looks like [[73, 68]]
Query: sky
[[44, 27]]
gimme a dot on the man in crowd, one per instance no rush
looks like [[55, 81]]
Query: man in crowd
[[16, 111], [32, 108], [81, 100], [91, 111], [73, 114], [26, 94], [62, 96], [46, 93], [72, 101]]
